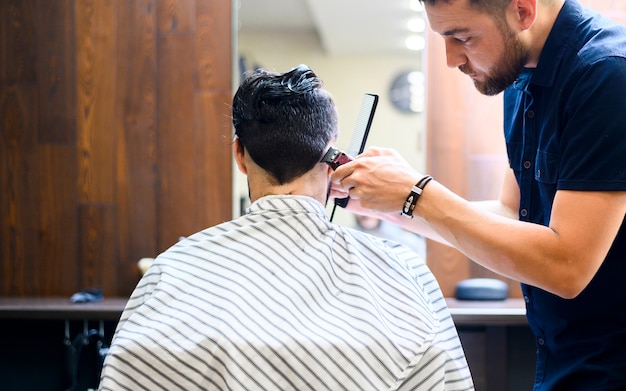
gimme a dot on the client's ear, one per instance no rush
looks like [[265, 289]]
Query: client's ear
[[239, 153], [330, 169]]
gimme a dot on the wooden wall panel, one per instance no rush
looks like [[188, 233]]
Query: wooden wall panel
[[114, 133], [96, 56], [18, 157], [19, 188], [212, 17], [17, 40], [176, 148], [136, 171], [212, 113], [97, 266], [56, 67], [202, 119], [177, 17], [58, 221], [213, 148]]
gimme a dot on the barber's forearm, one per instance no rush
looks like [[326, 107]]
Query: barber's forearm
[[477, 229], [416, 225], [495, 206], [501, 244], [419, 226]]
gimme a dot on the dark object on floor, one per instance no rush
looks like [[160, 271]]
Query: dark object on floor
[[87, 296], [84, 357], [482, 289]]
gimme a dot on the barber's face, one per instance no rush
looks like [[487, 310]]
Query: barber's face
[[490, 53], [506, 68]]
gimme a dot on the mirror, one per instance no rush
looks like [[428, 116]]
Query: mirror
[[355, 46]]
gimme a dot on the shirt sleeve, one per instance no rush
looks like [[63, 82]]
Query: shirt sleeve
[[593, 142]]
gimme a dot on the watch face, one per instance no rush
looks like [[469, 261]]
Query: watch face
[[407, 92]]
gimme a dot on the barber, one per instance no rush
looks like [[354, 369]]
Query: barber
[[557, 226]]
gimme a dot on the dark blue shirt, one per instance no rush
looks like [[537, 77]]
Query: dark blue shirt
[[565, 128]]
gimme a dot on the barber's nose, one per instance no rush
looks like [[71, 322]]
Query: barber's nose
[[454, 55]]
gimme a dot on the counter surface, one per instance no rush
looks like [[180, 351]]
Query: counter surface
[[507, 312]]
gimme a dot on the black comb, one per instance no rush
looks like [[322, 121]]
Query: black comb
[[359, 136], [361, 131]]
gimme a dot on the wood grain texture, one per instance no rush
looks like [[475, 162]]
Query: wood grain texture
[[213, 148], [177, 17], [113, 140], [136, 165], [17, 41], [97, 118], [18, 157], [98, 255], [58, 262], [56, 70], [212, 17], [19, 189], [177, 202]]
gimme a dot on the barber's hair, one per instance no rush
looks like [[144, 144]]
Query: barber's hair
[[284, 120], [491, 7]]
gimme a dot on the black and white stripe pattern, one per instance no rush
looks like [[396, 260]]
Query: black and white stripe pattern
[[283, 299]]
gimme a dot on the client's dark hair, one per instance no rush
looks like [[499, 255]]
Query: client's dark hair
[[284, 120]]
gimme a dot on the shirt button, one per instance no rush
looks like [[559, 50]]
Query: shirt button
[[540, 341], [530, 114], [527, 164], [526, 299], [524, 212]]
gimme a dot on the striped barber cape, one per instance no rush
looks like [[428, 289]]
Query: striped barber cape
[[283, 299]]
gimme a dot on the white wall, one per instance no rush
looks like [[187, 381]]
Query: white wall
[[347, 78]]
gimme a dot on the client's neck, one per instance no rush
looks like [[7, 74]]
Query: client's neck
[[312, 184]]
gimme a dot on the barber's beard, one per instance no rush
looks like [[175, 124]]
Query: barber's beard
[[506, 69]]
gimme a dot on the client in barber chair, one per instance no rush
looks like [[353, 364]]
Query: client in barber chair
[[281, 298]]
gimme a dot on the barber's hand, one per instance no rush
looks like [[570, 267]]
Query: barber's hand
[[379, 178]]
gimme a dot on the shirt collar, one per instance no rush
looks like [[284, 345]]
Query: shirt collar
[[522, 81], [287, 203], [556, 44]]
